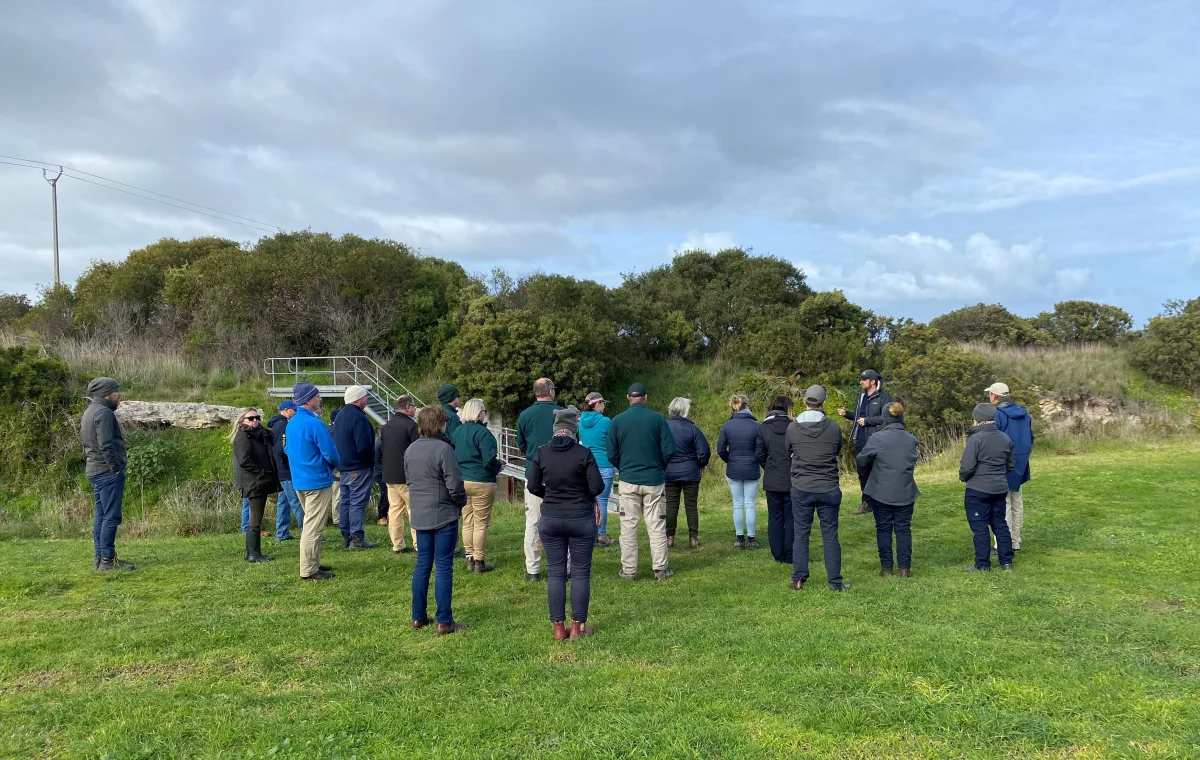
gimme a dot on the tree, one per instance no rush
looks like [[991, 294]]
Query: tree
[[988, 323], [13, 306], [1085, 322], [1169, 349], [53, 316]]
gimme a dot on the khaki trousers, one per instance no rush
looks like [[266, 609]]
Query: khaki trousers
[[476, 518], [398, 514], [316, 505], [643, 502], [336, 499], [533, 543], [1015, 516]]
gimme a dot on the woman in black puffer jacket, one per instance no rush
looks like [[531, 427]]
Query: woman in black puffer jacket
[[255, 474]]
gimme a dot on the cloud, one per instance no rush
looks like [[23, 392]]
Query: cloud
[[705, 241]]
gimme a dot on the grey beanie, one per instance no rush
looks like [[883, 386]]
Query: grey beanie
[[983, 413], [566, 419], [102, 386]]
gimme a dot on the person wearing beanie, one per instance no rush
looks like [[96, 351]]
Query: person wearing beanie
[[256, 475], [640, 445], [890, 458], [476, 449], [535, 428], [288, 503], [814, 442], [449, 397], [104, 449], [565, 475], [312, 457], [355, 438], [1015, 422], [593, 433], [869, 413], [986, 461]]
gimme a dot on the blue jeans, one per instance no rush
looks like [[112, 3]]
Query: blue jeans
[[245, 514], [287, 504], [986, 511], [434, 547], [560, 536], [825, 506], [745, 512], [606, 474], [356, 492], [108, 491]]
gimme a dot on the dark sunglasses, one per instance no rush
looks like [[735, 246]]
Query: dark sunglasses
[[251, 419]]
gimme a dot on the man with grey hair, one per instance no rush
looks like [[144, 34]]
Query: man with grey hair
[[104, 448], [355, 438], [1015, 422]]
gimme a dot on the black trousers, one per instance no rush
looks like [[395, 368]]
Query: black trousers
[[781, 528], [578, 536], [382, 508], [891, 519], [690, 491], [863, 472]]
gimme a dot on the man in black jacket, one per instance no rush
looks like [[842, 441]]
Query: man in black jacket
[[287, 503], [355, 438], [395, 438], [869, 414], [104, 447]]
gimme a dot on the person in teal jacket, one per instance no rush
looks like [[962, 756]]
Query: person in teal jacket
[[593, 433], [475, 448], [449, 397]]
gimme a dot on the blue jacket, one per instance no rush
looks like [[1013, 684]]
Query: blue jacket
[[355, 438], [311, 452], [278, 428], [737, 444], [691, 451], [593, 433], [1015, 422]]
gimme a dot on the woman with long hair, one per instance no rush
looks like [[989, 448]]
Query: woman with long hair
[[684, 470], [436, 498], [593, 433], [256, 475], [737, 445], [475, 448], [889, 458]]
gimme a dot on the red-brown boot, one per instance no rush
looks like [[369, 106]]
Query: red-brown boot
[[560, 632], [580, 630]]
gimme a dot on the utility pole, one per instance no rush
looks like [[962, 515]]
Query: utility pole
[[54, 210]]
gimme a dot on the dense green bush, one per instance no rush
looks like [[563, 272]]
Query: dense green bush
[[1085, 322], [1169, 348], [991, 324], [13, 306], [36, 427]]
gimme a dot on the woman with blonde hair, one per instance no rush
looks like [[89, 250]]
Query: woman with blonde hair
[[255, 474], [737, 445], [475, 448]]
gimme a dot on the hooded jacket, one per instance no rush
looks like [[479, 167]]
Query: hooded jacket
[[813, 448], [103, 443], [736, 446], [891, 455], [1015, 422], [640, 444], [535, 427], [874, 410], [397, 435], [278, 428], [567, 477], [475, 448], [355, 438], [593, 433], [692, 452], [987, 460], [772, 452], [312, 454], [436, 493], [255, 475]]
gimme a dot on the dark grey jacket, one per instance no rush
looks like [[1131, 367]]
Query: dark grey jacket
[[891, 455], [103, 444], [813, 448], [436, 493], [874, 410], [987, 460], [772, 452]]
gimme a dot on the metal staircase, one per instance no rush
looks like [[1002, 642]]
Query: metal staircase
[[334, 374]]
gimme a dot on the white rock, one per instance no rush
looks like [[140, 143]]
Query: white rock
[[161, 414]]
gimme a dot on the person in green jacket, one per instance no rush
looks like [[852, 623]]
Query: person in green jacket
[[535, 428], [640, 444], [449, 397], [476, 449]]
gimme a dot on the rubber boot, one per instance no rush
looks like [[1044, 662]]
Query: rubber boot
[[246, 555], [255, 537]]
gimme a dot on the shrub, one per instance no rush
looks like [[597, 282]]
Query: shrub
[[990, 324], [36, 427], [1085, 322], [1169, 348], [13, 306]]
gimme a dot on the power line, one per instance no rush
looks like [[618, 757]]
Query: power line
[[274, 227], [172, 205]]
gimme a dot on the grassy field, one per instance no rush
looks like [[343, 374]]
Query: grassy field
[[1090, 650]]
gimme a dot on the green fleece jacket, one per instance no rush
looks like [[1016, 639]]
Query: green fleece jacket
[[640, 444], [475, 447], [452, 420], [535, 428]]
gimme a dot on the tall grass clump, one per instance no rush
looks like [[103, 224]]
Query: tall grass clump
[[1069, 369]]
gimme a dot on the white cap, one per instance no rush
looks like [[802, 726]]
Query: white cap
[[354, 393], [1000, 389]]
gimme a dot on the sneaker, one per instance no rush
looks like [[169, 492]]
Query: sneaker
[[752, 543], [604, 541], [533, 577], [622, 576], [843, 586], [739, 542], [1006, 568], [662, 575], [326, 568], [106, 566], [360, 545], [320, 575], [286, 538]]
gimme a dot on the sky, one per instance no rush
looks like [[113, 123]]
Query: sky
[[920, 156]]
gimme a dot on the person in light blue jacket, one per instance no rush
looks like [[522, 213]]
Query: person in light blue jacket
[[593, 433]]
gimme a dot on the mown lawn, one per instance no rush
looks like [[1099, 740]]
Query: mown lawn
[[1090, 650]]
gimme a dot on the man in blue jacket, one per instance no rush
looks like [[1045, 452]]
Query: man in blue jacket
[[312, 456], [287, 503], [1015, 422], [355, 438]]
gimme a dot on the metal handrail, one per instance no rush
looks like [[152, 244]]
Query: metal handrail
[[358, 368]]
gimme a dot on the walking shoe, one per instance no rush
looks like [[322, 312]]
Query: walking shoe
[[798, 585], [480, 566], [326, 568], [623, 577], [108, 565], [560, 632], [580, 630], [533, 577], [670, 541], [973, 569], [445, 629], [662, 575], [357, 545], [739, 542], [886, 571], [863, 508], [459, 554], [752, 543], [403, 550], [381, 521], [1006, 568], [604, 541], [419, 624], [843, 586], [345, 542], [694, 542], [904, 572], [320, 575]]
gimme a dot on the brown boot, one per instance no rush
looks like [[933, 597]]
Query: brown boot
[[670, 541], [862, 508], [560, 632], [580, 630], [445, 629], [419, 624], [797, 585], [886, 571], [694, 542], [904, 572]]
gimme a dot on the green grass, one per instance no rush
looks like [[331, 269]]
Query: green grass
[[1090, 650], [1067, 370]]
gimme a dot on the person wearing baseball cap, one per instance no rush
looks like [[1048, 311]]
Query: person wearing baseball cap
[[288, 503], [535, 428], [814, 442], [312, 457], [1014, 421], [355, 438], [104, 450], [986, 461], [593, 433], [869, 414]]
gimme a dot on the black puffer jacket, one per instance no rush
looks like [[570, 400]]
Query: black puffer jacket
[[736, 444], [691, 452], [772, 451], [565, 474], [256, 474]]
